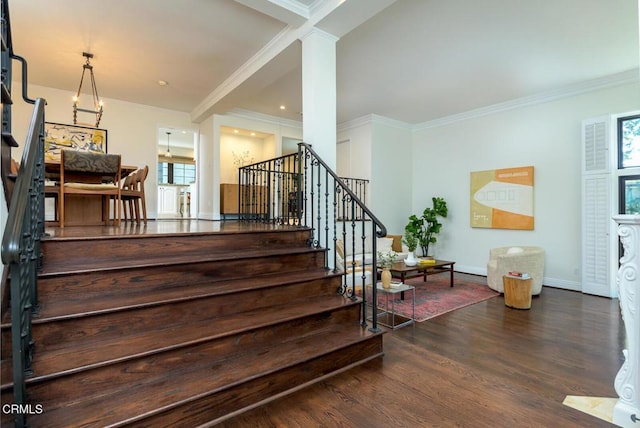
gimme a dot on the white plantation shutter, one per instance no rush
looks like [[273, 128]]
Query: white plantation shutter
[[595, 135], [596, 207], [595, 238]]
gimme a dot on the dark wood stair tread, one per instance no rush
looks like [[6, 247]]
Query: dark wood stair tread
[[140, 387], [72, 303], [88, 351], [125, 263]]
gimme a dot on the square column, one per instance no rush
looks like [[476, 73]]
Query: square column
[[319, 126]]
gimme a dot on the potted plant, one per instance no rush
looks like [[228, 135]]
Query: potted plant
[[426, 227], [385, 261], [411, 241]]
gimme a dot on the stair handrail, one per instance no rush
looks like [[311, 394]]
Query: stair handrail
[[307, 182], [6, 21], [382, 230], [21, 251]]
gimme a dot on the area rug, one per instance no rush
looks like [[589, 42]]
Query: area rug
[[436, 297]]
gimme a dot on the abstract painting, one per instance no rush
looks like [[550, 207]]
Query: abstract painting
[[502, 198], [59, 136]]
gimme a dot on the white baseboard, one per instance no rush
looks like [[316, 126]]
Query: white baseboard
[[546, 281]]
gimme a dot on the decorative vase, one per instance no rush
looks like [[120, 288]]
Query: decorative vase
[[385, 276], [411, 259]]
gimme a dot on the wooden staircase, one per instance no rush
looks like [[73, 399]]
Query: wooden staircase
[[183, 329]]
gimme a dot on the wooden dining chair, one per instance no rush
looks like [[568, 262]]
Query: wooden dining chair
[[127, 202], [133, 196], [88, 173]]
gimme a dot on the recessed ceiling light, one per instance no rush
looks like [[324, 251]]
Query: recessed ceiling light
[[282, 107], [163, 82]]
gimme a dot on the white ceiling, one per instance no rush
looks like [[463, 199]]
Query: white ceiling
[[414, 61]]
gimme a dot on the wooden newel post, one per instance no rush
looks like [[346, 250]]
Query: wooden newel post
[[626, 412]]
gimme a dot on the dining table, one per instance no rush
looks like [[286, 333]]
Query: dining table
[[52, 169], [80, 210]]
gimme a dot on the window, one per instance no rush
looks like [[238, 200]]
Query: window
[[163, 173], [629, 142], [176, 173], [629, 194], [183, 173]]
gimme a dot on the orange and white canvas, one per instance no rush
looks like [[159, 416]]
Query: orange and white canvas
[[502, 198]]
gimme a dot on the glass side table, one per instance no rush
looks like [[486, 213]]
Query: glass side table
[[387, 315]]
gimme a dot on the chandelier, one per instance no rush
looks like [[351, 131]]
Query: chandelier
[[168, 154], [97, 102]]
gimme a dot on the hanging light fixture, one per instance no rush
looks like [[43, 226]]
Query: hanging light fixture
[[97, 102], [168, 153]]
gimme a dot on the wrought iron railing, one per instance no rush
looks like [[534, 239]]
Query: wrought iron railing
[[25, 224], [21, 250], [358, 186], [300, 189]]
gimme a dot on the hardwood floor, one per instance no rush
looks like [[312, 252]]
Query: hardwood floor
[[484, 365]]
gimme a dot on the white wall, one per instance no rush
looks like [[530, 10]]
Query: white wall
[[547, 136], [233, 146], [272, 148], [379, 149], [391, 179], [354, 149], [132, 129]]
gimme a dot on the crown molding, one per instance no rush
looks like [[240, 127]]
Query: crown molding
[[354, 123], [266, 118], [293, 6], [629, 76], [387, 121], [623, 78], [321, 33], [374, 119]]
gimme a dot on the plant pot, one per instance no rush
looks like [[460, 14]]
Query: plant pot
[[411, 259], [385, 277]]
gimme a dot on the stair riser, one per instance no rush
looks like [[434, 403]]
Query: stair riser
[[172, 367], [147, 280], [72, 255], [237, 398], [87, 333]]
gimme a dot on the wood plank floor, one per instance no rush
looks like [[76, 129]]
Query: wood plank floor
[[484, 365]]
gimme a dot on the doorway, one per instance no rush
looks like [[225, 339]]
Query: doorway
[[177, 179]]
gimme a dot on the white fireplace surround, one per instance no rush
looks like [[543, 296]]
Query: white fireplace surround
[[626, 412]]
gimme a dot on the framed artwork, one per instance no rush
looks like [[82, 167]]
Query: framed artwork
[[59, 136], [502, 198]]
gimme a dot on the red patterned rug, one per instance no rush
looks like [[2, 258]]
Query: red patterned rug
[[436, 297]]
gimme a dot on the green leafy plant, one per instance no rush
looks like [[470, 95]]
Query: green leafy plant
[[425, 228], [386, 259], [410, 240]]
